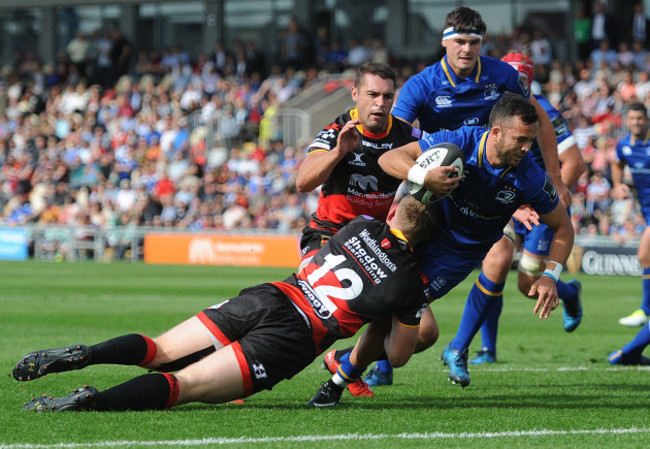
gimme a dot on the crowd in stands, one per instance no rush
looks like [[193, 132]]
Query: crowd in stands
[[91, 140]]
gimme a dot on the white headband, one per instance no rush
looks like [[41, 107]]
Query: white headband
[[450, 33]]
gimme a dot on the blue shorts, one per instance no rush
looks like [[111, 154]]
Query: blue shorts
[[538, 240], [447, 267]]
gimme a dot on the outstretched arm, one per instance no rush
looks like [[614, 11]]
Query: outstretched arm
[[548, 145], [545, 288]]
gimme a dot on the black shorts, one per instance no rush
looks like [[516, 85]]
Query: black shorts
[[270, 337], [312, 240]]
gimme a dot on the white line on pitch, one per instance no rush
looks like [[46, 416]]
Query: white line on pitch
[[314, 438]]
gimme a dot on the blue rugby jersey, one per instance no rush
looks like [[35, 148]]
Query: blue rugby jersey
[[443, 101], [636, 155], [563, 133], [476, 212]]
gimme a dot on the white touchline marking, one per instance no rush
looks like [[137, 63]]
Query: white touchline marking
[[312, 438], [563, 369]]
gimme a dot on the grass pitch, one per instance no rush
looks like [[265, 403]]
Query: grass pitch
[[549, 389]]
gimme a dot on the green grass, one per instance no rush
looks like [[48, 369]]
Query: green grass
[[549, 389]]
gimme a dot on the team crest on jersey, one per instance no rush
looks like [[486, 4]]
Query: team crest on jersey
[[491, 94], [505, 196], [259, 370], [443, 101], [357, 160], [386, 244], [626, 150]]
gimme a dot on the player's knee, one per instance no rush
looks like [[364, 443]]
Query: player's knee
[[498, 261], [427, 337], [398, 360], [530, 266]]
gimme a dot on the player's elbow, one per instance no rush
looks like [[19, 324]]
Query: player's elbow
[[304, 184]]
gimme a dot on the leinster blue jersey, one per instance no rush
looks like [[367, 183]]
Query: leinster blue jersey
[[562, 131], [636, 154], [476, 212], [443, 101]]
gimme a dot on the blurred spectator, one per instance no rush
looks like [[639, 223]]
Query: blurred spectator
[[603, 56], [358, 52], [294, 47], [540, 49], [640, 28], [598, 198], [78, 50], [603, 26], [582, 33]]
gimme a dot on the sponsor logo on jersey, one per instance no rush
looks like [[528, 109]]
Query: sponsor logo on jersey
[[377, 146], [491, 94], [443, 101], [367, 261], [505, 196], [323, 307], [363, 182], [549, 188], [560, 126], [472, 121], [357, 160], [386, 244], [523, 84]]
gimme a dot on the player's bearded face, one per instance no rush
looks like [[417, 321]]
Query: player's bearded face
[[638, 123], [514, 142], [374, 97]]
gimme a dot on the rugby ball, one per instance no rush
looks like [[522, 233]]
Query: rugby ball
[[441, 154]]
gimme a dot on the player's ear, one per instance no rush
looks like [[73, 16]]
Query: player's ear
[[355, 94], [391, 214]]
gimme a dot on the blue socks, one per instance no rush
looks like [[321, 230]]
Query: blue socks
[[347, 372], [642, 339], [566, 292], [645, 305], [480, 302], [490, 327]]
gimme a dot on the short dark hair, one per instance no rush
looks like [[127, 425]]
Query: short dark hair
[[374, 68], [465, 20], [512, 105], [639, 107]]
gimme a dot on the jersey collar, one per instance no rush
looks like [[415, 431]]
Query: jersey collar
[[482, 154], [645, 141], [400, 235], [354, 114], [451, 75]]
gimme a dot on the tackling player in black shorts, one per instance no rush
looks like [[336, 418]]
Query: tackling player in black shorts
[[366, 273]]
